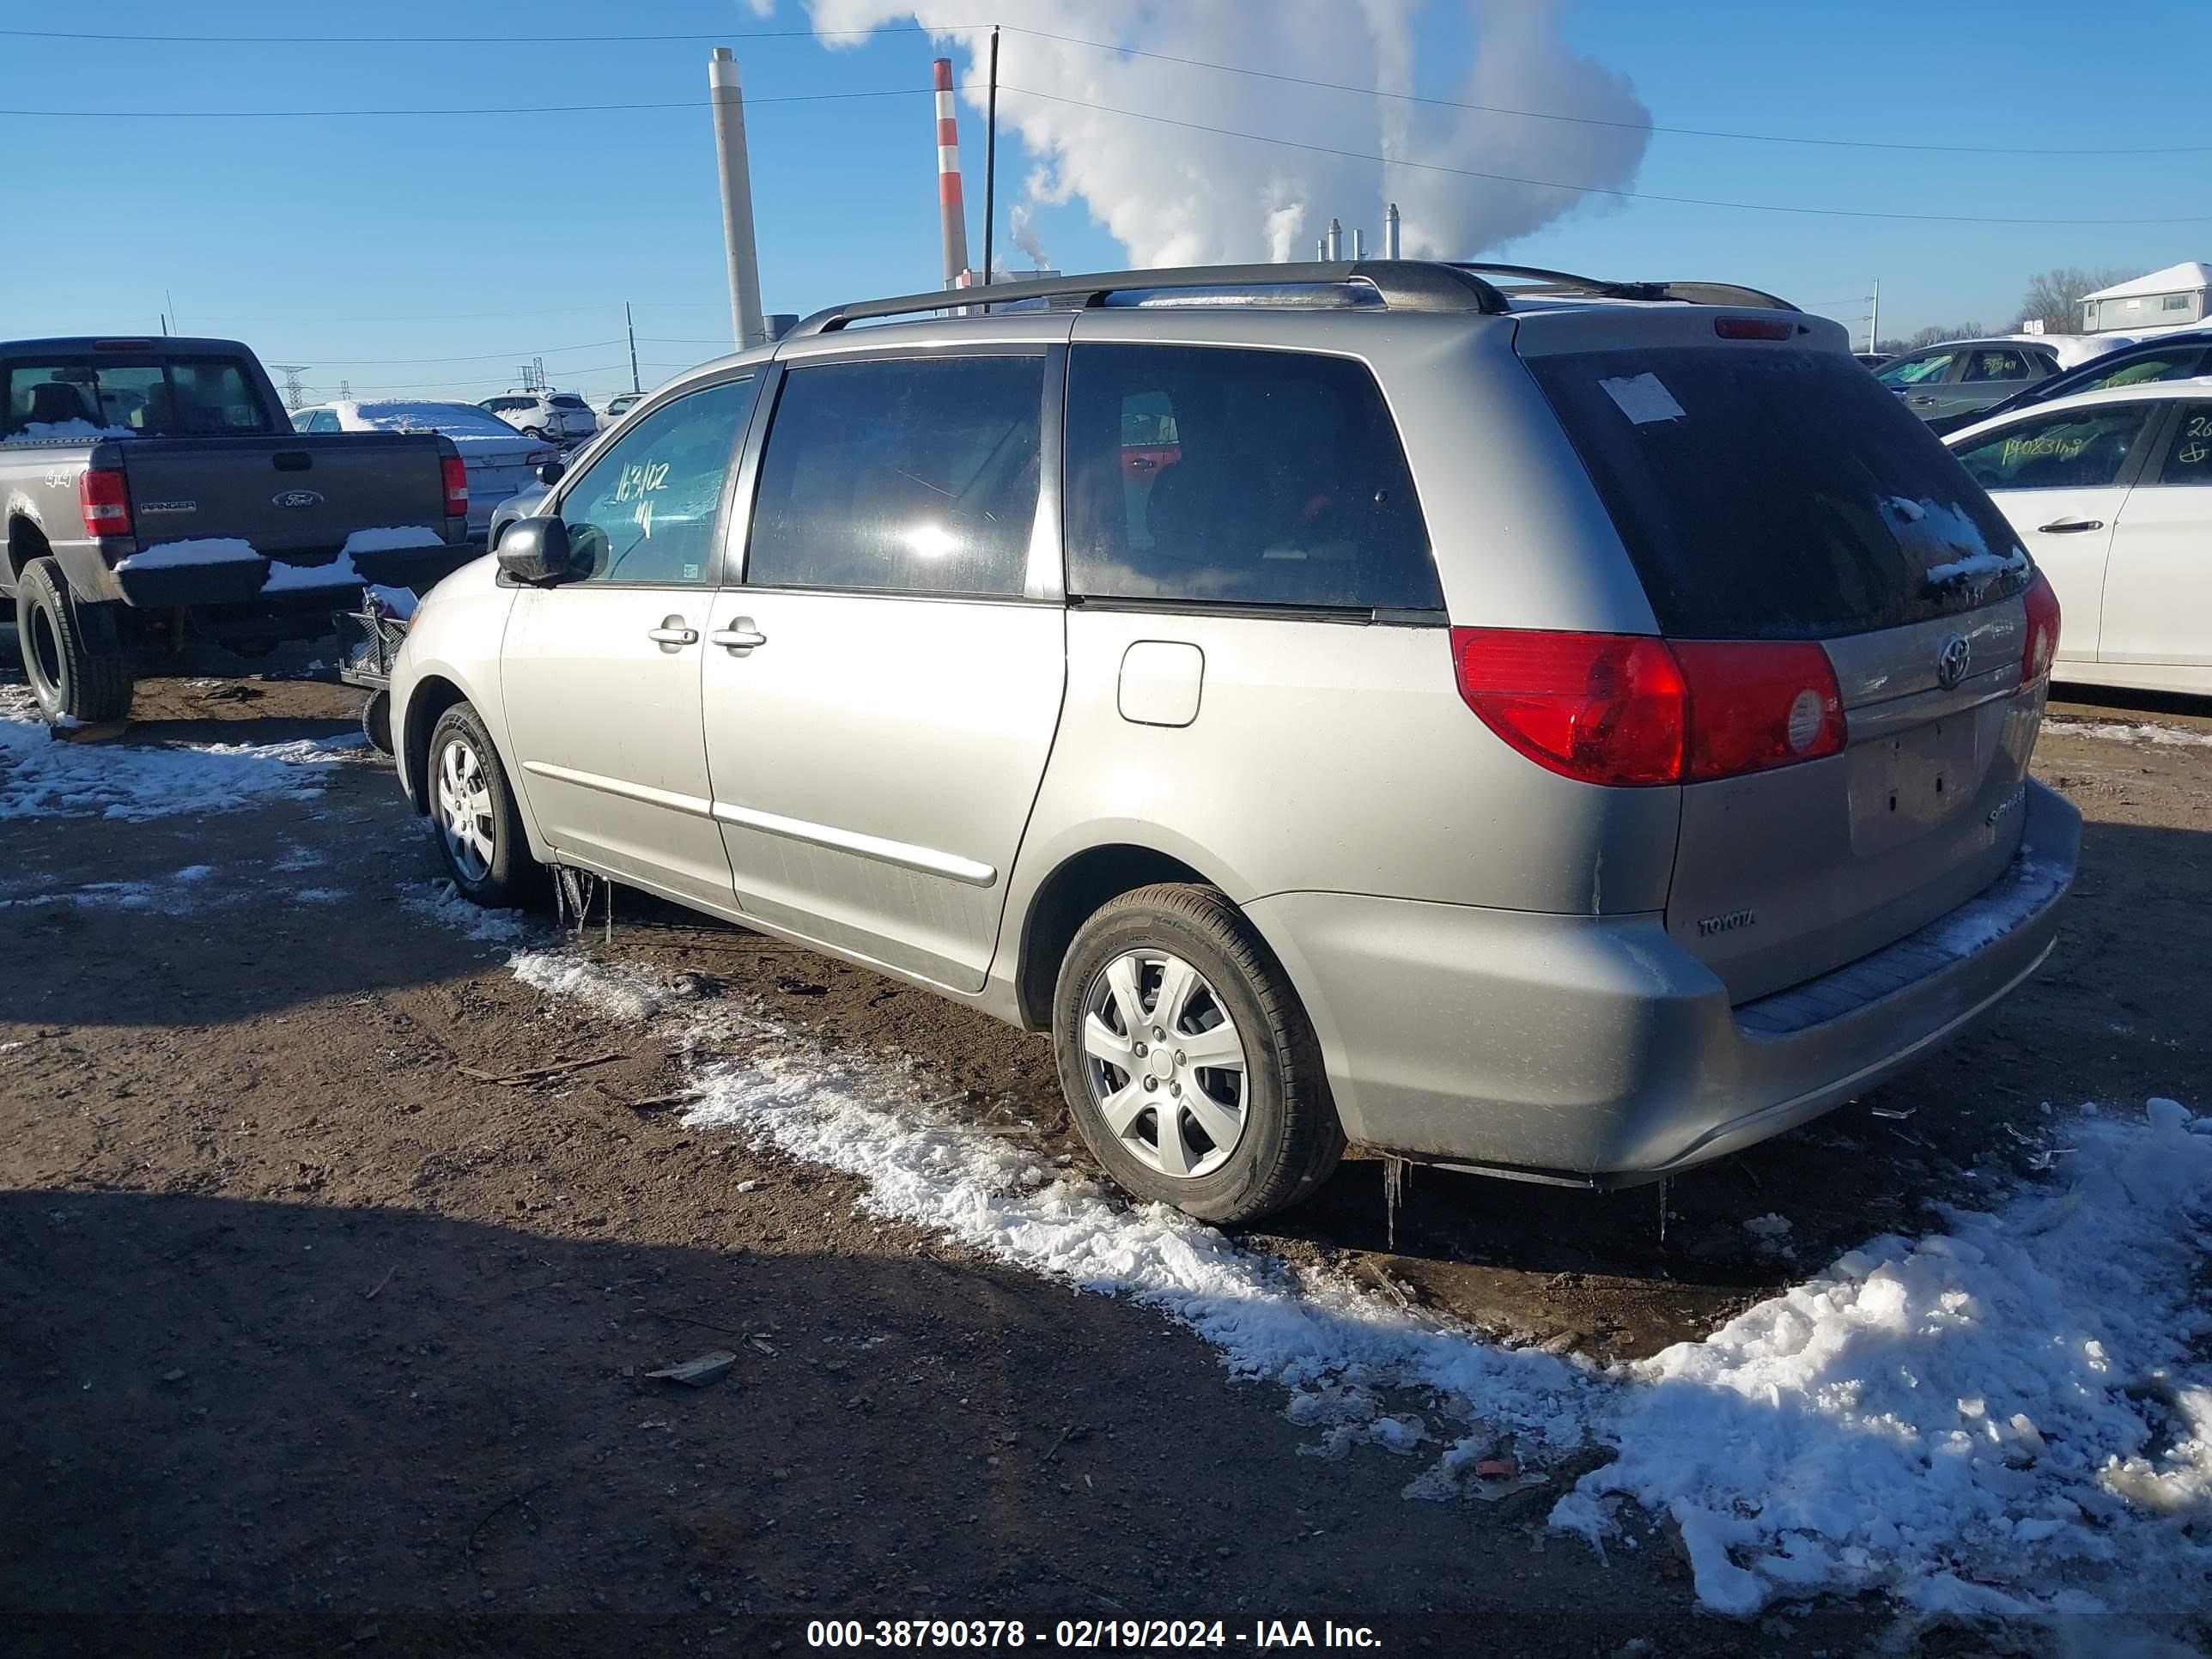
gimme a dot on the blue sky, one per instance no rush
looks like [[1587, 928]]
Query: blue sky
[[370, 247]]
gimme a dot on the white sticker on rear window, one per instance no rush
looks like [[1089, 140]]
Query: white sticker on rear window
[[1643, 398]]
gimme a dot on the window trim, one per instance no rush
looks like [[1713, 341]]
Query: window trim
[[1264, 608], [717, 536], [2168, 433], [1043, 577]]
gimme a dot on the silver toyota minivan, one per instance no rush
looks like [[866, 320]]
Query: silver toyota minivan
[[1562, 729]]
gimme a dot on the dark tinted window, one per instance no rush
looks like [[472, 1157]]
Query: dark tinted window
[[2000, 363], [2138, 368], [1779, 493], [914, 474], [567, 401], [1250, 477], [171, 398], [646, 509], [2081, 449], [2190, 460]]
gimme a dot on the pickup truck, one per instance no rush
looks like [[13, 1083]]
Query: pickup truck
[[153, 487]]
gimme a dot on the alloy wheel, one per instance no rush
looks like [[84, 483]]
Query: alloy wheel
[[465, 820]]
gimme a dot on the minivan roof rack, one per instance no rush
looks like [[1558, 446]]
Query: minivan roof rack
[[1399, 284], [1694, 293]]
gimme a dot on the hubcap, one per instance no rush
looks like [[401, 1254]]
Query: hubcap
[[464, 815], [1164, 1063]]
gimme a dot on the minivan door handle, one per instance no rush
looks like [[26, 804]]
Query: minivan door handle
[[739, 637], [2068, 526], [672, 631]]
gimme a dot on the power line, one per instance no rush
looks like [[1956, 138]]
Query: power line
[[1042, 34], [466, 109], [719, 35], [470, 357], [1590, 190], [1598, 121]]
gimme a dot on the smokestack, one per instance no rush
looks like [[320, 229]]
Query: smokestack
[[1336, 239], [1390, 232], [948, 178], [1321, 249], [745, 324], [1358, 243]]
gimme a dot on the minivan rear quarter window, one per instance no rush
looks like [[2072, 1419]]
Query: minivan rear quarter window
[[1788, 494], [1239, 476]]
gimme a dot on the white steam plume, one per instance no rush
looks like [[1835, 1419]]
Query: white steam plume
[[1025, 237], [1175, 195]]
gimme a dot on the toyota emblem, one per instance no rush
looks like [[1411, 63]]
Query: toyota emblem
[[1953, 660]]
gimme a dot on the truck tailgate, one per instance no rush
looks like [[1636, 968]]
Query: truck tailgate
[[286, 496]]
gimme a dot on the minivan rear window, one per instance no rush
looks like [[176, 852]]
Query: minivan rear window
[[1779, 493]]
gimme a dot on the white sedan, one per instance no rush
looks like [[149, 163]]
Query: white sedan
[[501, 460], [2112, 492]]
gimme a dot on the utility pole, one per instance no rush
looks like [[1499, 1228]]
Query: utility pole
[[1874, 320], [991, 155], [631, 325], [169, 301], [745, 321], [293, 398]]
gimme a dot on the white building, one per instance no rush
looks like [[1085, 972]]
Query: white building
[[2163, 298]]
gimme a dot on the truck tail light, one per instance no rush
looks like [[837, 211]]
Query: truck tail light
[[1632, 709], [2042, 647], [105, 498], [456, 487]]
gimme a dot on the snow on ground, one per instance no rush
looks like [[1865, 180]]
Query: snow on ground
[[2011, 1416], [40, 775], [2123, 731]]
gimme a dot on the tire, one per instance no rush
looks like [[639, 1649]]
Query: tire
[[478, 828], [1252, 1138], [537, 432], [376, 721], [75, 671]]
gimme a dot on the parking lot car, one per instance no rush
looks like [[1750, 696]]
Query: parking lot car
[[2177, 356], [2111, 491], [560, 417], [501, 461], [153, 489], [1557, 728], [1961, 376]]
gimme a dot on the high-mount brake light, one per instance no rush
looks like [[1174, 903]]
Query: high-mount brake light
[[1631, 709], [1753, 328]]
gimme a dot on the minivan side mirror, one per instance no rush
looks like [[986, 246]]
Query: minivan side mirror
[[550, 473], [537, 553]]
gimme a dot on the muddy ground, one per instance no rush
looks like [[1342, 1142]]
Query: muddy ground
[[317, 1340]]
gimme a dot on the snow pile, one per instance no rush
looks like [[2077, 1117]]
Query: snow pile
[[40, 776], [2121, 731], [444, 904], [391, 538], [1996, 1420], [339, 573], [193, 550]]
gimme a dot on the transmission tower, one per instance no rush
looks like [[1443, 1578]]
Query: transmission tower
[[533, 374], [295, 393], [345, 390]]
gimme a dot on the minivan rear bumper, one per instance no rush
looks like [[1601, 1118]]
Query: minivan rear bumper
[[1596, 1050]]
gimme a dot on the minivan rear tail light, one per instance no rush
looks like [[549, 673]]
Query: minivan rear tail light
[[2042, 631], [1631, 709], [1755, 705], [1753, 328], [1600, 708], [457, 487], [104, 499]]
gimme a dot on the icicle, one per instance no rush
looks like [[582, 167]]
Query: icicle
[[1394, 1195]]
